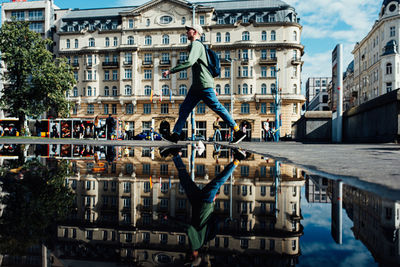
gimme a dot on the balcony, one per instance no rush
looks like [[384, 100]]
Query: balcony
[[147, 63], [244, 61], [89, 65], [75, 65], [296, 61], [37, 18], [268, 61], [225, 62], [110, 64], [127, 62], [165, 63]]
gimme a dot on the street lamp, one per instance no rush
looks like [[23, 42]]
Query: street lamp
[[277, 103]]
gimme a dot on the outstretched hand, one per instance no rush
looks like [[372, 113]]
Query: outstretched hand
[[166, 73]]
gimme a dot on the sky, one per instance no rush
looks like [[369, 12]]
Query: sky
[[325, 24]]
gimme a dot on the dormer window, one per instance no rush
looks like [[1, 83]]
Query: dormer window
[[392, 7], [165, 19]]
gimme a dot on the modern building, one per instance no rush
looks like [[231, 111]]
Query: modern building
[[317, 93], [317, 189], [376, 57], [118, 55]]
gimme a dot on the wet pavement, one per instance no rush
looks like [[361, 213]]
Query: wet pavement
[[125, 205]]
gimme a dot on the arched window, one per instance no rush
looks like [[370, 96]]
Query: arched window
[[107, 42], [389, 68], [273, 35], [294, 36], [76, 43], [128, 90], [264, 36], [147, 22], [91, 42], [131, 41], [106, 91], [245, 36], [273, 88], [89, 91], [114, 91], [165, 89], [147, 40], [183, 38], [115, 41], [183, 21], [263, 89], [227, 37], [68, 43], [165, 39], [218, 89], [182, 89], [245, 89], [227, 89], [147, 90], [218, 37]]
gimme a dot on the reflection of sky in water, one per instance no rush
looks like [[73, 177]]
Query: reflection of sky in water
[[317, 245]]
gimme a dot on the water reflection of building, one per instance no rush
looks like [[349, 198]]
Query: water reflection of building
[[376, 223], [118, 213], [317, 189]]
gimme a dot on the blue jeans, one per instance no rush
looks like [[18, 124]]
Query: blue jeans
[[216, 134], [207, 194], [193, 97]]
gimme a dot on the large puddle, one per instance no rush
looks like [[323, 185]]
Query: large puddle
[[125, 206]]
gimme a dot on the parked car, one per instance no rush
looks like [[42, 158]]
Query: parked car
[[147, 136]]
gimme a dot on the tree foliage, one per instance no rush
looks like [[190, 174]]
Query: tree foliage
[[34, 81], [35, 200]]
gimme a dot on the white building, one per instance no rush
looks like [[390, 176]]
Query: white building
[[317, 93], [376, 58]]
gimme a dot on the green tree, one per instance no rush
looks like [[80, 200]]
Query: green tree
[[35, 201], [34, 82]]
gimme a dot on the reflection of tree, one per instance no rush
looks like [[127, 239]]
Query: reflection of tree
[[36, 199]]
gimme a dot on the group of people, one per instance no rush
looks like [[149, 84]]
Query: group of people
[[9, 130], [269, 132]]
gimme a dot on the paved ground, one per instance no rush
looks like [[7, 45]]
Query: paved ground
[[375, 166]]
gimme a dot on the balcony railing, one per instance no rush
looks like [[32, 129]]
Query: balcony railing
[[296, 61], [147, 63], [111, 64], [268, 61], [165, 62]]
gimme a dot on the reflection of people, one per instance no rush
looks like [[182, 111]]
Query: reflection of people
[[201, 89], [217, 132], [96, 127], [204, 223], [37, 127]]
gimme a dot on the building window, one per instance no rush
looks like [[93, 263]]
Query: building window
[[273, 35], [227, 89], [148, 58], [259, 18], [218, 37], [107, 42], [148, 40], [91, 42], [263, 36], [218, 89], [183, 38], [130, 23], [165, 39], [232, 20], [273, 72], [201, 20], [182, 90], [147, 108], [68, 43], [245, 108], [90, 109], [147, 74], [115, 75], [227, 37], [89, 91], [227, 72], [244, 243], [246, 36], [389, 68], [392, 31], [164, 109], [147, 90], [128, 74], [115, 41], [245, 88], [388, 87], [271, 18], [114, 109], [76, 76], [76, 43], [128, 90], [263, 108], [114, 91], [131, 40], [105, 109], [263, 71], [294, 36], [263, 89], [75, 91], [201, 108], [165, 90]]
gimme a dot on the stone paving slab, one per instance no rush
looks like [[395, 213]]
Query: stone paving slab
[[377, 164]]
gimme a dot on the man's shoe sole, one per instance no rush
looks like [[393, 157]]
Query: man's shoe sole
[[238, 141]]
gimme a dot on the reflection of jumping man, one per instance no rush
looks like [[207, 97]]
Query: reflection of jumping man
[[204, 223]]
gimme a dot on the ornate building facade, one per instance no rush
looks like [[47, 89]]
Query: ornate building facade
[[118, 55]]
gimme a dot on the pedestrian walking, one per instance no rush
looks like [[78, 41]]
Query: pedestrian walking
[[201, 89]]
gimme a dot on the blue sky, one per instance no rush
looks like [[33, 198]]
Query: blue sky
[[325, 24]]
